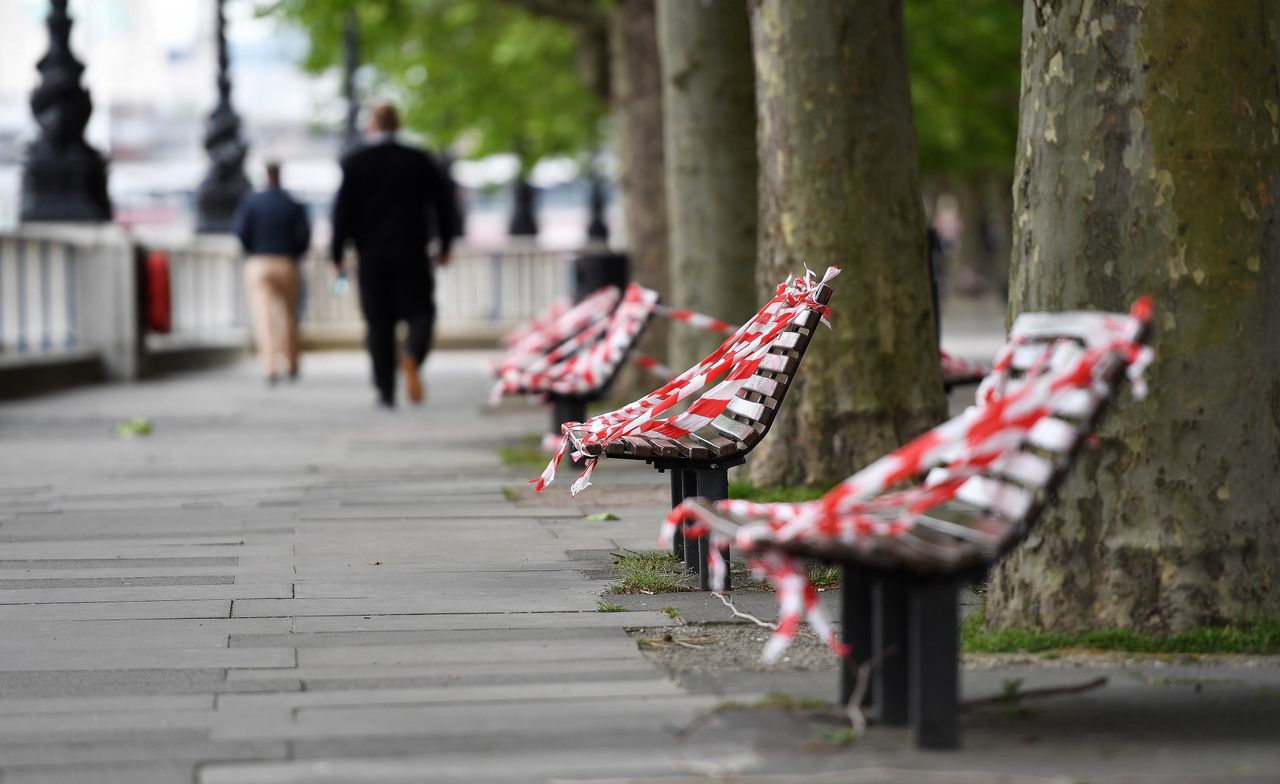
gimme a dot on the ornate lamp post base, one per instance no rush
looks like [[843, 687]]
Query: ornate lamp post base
[[66, 185], [225, 184], [63, 178]]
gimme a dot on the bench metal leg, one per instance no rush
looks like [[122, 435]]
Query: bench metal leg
[[689, 488], [567, 409], [713, 485], [677, 495], [855, 629], [934, 665], [891, 640]]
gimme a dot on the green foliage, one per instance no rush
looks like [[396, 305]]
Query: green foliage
[[481, 74], [652, 572], [671, 613], [1260, 638], [746, 491], [608, 607], [965, 62], [824, 575]]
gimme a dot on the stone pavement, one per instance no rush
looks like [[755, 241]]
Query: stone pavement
[[290, 586]]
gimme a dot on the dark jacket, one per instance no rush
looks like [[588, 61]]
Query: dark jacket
[[393, 199], [271, 223]]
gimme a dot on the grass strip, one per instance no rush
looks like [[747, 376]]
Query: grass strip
[[1259, 638], [653, 572]]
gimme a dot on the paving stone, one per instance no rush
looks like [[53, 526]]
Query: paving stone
[[72, 611], [554, 620], [142, 658]]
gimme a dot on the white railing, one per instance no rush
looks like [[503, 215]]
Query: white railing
[[39, 293], [206, 291], [479, 292], [79, 291]]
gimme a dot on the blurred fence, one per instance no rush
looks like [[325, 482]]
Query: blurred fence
[[80, 293], [478, 295], [39, 295]]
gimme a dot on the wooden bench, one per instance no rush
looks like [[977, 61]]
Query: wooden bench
[[575, 360], [699, 437], [915, 525]]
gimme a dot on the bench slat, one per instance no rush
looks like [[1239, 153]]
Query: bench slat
[[1053, 435], [738, 431], [747, 409], [1026, 468], [765, 386], [1009, 500], [779, 363]]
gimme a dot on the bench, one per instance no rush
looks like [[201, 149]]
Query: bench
[[698, 432], [575, 361], [913, 526]]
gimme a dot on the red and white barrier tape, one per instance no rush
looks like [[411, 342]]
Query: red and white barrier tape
[[696, 320], [736, 360], [1064, 360]]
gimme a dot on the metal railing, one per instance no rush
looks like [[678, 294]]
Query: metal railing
[[78, 291], [485, 291], [206, 291], [38, 295]]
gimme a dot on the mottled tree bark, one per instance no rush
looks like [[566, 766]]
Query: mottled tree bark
[[710, 113], [1148, 160], [637, 112], [839, 185]]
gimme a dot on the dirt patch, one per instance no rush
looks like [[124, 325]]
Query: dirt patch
[[716, 647]]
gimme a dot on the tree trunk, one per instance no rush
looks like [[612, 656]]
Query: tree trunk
[[709, 106], [1148, 161], [839, 185], [637, 112]]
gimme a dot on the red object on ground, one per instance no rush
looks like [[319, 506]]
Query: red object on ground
[[159, 308]]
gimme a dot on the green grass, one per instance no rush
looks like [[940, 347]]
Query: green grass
[[780, 700], [824, 575], [1260, 638], [746, 491], [671, 613], [526, 452], [655, 571], [603, 606]]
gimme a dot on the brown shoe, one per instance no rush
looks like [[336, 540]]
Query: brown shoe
[[412, 379]]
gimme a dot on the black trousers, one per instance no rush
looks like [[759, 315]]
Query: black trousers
[[396, 287]]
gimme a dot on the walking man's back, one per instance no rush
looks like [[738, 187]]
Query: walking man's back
[[393, 200]]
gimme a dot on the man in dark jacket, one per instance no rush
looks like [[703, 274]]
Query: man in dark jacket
[[275, 233], [392, 201]]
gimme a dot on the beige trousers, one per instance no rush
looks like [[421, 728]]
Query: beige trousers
[[272, 286]]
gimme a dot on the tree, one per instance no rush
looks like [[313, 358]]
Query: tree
[[483, 72], [839, 185], [708, 92], [1149, 162], [636, 86]]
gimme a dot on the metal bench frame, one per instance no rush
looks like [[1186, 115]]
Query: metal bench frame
[[898, 594]]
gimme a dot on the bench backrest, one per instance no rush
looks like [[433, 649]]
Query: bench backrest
[[590, 371], [755, 365], [539, 356], [969, 490], [560, 323]]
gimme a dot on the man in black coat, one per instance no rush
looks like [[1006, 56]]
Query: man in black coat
[[392, 201]]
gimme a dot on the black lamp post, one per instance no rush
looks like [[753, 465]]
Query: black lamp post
[[597, 228], [225, 184], [350, 64], [63, 178]]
